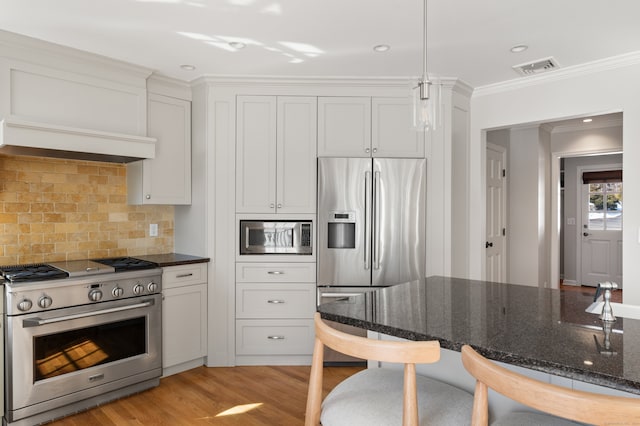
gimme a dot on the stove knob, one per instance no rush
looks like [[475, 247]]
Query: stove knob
[[138, 289], [95, 295], [152, 287], [44, 302], [25, 305], [117, 292]]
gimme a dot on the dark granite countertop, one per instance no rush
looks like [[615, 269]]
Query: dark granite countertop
[[515, 324], [173, 259]]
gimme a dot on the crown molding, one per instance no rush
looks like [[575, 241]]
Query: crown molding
[[169, 86], [588, 68], [24, 48]]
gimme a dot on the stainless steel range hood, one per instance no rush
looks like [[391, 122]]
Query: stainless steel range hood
[[20, 137]]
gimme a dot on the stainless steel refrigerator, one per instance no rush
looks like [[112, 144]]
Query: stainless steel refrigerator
[[371, 221], [371, 225]]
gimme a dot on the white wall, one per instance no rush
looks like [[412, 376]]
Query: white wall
[[544, 206], [556, 96], [523, 233]]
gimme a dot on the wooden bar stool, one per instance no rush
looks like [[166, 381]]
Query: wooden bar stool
[[380, 396], [558, 401]]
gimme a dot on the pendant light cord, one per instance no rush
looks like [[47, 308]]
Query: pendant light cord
[[424, 45]]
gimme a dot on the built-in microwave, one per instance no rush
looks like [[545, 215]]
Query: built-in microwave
[[275, 237]]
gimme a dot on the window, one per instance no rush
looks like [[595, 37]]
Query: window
[[605, 206]]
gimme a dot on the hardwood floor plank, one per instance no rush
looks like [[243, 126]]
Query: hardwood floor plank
[[201, 396]]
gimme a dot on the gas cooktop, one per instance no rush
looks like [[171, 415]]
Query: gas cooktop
[[72, 268]]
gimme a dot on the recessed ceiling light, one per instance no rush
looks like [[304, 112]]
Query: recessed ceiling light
[[381, 48], [587, 362], [519, 48], [188, 67], [237, 45], [587, 120]]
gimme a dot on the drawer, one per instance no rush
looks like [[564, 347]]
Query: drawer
[[274, 337], [265, 300], [276, 272], [182, 275]]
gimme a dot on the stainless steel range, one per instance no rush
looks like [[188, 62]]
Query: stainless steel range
[[78, 334]]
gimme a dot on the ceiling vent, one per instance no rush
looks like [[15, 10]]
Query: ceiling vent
[[537, 67]]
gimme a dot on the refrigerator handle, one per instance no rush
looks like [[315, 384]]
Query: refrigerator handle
[[376, 220], [367, 220]]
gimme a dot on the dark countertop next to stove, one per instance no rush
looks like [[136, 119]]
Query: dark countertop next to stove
[[173, 259], [540, 329]]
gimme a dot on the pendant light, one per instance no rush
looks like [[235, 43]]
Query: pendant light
[[424, 101]]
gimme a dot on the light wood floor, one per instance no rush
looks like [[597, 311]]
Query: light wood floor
[[202, 396]]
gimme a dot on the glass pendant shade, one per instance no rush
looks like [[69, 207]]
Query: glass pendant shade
[[424, 103]]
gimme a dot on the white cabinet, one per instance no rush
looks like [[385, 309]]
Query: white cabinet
[[275, 303], [367, 127], [344, 126], [165, 179], [184, 317], [392, 133], [276, 154]]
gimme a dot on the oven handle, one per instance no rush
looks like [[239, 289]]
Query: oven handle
[[35, 322]]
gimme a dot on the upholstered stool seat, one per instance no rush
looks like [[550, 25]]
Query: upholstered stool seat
[[374, 397], [380, 396]]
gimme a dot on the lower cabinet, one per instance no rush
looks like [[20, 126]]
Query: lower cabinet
[[275, 303], [184, 317]]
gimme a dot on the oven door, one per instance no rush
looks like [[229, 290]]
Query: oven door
[[67, 354]]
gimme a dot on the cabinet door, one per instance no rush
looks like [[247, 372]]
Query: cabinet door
[[296, 154], [256, 154], [392, 133], [344, 127], [165, 179], [184, 319]]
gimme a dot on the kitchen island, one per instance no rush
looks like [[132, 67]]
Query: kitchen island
[[539, 329]]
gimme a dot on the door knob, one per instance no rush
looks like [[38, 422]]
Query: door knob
[[586, 234], [488, 244]]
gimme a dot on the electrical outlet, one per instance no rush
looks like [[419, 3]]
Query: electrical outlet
[[153, 230]]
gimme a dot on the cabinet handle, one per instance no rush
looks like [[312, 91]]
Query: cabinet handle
[[275, 337], [275, 301], [275, 273], [271, 205], [184, 275], [375, 150], [366, 150], [279, 205], [148, 196]]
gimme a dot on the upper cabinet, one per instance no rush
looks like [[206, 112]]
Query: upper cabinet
[[276, 154], [367, 127], [165, 179], [392, 134], [344, 126]]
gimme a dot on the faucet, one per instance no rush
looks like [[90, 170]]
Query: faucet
[[607, 311]]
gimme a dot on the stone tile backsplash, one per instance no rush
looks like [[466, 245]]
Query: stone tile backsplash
[[54, 209]]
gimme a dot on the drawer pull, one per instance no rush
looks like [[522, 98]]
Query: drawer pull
[[275, 273], [275, 337], [184, 275], [275, 301]]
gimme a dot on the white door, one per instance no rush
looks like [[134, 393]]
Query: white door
[[496, 266], [601, 233]]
